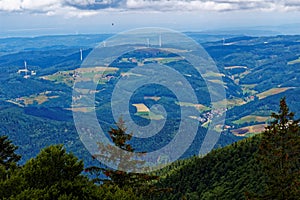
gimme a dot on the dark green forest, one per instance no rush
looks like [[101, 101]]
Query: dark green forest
[[42, 156], [266, 166], [263, 63]]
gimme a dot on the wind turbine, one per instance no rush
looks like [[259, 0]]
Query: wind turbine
[[26, 70], [81, 55], [159, 41]]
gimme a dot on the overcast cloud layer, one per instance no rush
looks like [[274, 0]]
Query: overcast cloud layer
[[90, 7]]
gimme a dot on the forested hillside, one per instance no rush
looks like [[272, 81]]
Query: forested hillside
[[225, 173], [53, 174], [266, 166], [36, 112]]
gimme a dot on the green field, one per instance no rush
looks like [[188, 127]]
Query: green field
[[39, 99], [272, 91], [144, 112], [199, 107], [251, 118], [294, 61], [152, 98], [81, 74], [150, 115], [65, 77], [229, 102], [164, 60], [213, 74], [248, 88], [217, 81], [249, 130], [235, 67]]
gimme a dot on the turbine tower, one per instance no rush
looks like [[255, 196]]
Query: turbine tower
[[80, 54], [148, 42], [26, 70], [159, 41]]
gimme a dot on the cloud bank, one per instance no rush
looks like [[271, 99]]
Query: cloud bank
[[90, 7]]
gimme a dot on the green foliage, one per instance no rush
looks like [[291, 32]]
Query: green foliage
[[55, 174], [228, 172], [12, 185], [225, 173], [113, 192], [139, 183], [8, 157], [266, 166], [61, 53], [216, 193], [279, 155], [52, 165]]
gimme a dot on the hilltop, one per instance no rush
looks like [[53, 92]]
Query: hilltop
[[225, 173]]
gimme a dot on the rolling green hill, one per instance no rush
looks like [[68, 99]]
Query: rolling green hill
[[225, 173], [257, 72], [265, 166]]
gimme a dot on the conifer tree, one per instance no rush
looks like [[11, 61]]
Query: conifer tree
[[279, 156], [140, 183], [8, 157]]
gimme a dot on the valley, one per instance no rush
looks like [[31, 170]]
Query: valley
[[256, 72]]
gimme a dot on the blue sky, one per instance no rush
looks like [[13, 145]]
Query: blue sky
[[37, 17]]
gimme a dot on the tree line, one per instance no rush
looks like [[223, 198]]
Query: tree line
[[266, 166]]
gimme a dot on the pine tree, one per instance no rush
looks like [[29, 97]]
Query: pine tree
[[8, 157], [140, 183], [279, 154]]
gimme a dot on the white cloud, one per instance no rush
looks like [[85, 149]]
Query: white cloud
[[175, 5], [30, 5], [10, 5], [89, 7]]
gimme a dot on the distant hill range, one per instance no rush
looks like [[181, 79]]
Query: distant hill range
[[36, 112]]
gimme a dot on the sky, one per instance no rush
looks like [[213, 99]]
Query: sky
[[48, 17]]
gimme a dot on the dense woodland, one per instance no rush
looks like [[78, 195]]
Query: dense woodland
[[35, 126], [266, 166]]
